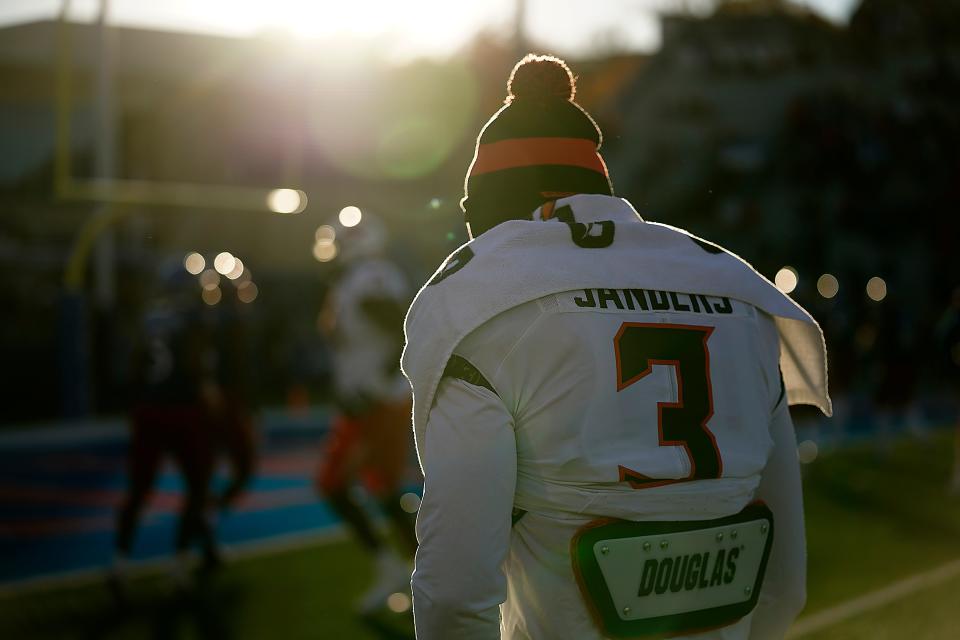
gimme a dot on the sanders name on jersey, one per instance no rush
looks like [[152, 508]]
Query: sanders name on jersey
[[632, 299]]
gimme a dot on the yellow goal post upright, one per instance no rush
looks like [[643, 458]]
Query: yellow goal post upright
[[114, 199]]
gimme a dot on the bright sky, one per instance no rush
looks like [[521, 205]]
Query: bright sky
[[414, 27]]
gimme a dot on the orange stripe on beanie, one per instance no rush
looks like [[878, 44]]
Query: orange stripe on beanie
[[523, 152], [540, 142]]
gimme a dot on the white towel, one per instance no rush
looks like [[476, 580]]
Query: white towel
[[520, 260]]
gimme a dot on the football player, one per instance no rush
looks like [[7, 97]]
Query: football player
[[176, 409], [370, 435], [599, 409]]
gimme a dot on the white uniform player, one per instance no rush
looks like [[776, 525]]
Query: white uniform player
[[598, 407], [633, 396], [364, 352], [369, 440]]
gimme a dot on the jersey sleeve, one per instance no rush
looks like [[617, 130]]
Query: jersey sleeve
[[784, 587], [463, 526]]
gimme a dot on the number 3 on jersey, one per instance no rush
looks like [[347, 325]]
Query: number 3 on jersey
[[638, 347]]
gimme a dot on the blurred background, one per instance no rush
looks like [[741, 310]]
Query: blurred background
[[209, 156]]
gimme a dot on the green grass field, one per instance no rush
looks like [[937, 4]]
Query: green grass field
[[873, 518]]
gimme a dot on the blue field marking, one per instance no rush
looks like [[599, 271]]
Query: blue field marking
[[60, 487]]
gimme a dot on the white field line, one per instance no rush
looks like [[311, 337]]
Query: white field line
[[869, 601], [254, 548]]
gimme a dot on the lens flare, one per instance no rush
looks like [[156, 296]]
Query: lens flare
[[209, 279], [411, 148], [410, 502], [224, 263], [245, 276], [325, 234], [398, 602], [876, 288], [287, 201], [403, 139], [807, 451], [786, 279], [325, 251], [237, 270], [247, 292], [212, 296], [194, 263], [350, 216], [828, 285]]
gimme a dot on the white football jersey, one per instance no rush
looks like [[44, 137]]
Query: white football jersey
[[365, 356], [541, 406], [663, 398], [632, 404]]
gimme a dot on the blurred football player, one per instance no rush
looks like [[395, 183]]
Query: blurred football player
[[598, 407], [369, 441], [179, 410], [235, 376]]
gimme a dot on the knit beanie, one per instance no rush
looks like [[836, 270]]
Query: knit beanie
[[540, 146]]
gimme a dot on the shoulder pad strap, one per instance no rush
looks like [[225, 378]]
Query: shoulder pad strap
[[460, 368]]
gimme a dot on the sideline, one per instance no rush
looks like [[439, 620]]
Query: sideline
[[113, 429], [872, 600], [805, 626], [231, 553]]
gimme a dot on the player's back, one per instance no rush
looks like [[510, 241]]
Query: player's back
[[627, 403], [616, 406]]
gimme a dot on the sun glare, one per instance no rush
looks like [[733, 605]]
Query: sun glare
[[317, 19], [409, 20], [404, 30], [421, 25]]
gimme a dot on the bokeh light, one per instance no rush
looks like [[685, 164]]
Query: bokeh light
[[398, 602], [194, 263], [245, 143], [410, 502], [325, 233], [212, 296], [209, 279], [325, 251], [876, 288], [807, 451], [247, 292], [287, 201], [786, 279], [827, 285], [350, 216], [237, 270], [224, 263]]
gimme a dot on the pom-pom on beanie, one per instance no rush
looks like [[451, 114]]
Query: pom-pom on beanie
[[540, 146]]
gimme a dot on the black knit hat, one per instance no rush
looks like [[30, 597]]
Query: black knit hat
[[540, 146]]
